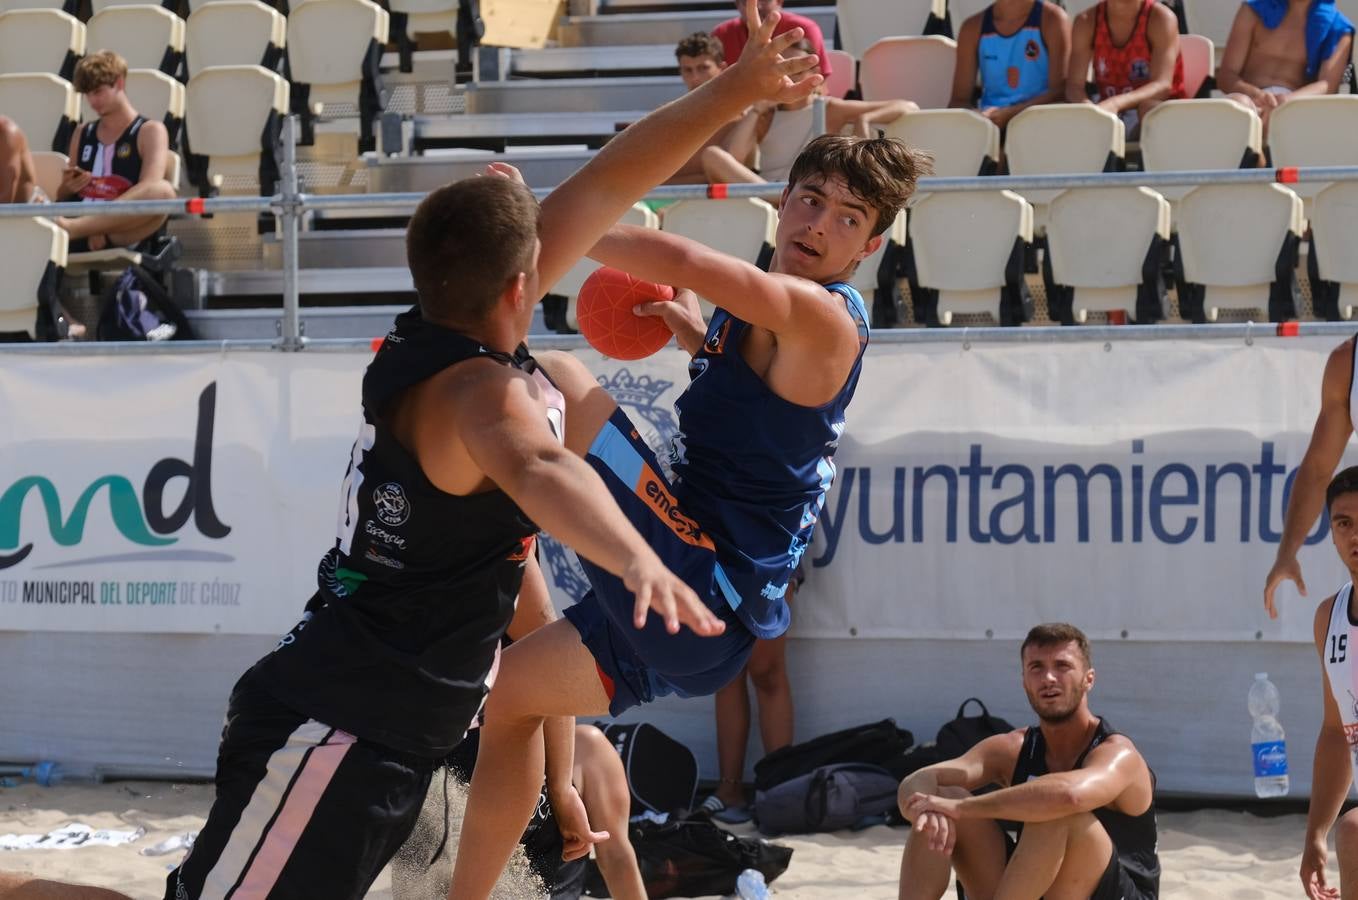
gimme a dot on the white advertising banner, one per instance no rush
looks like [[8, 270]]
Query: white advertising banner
[[1134, 488]]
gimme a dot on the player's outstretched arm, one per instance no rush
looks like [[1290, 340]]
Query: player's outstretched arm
[[578, 213], [788, 306], [505, 432], [1331, 772], [1328, 439]]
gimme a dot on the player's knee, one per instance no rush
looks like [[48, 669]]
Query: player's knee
[[768, 674], [1346, 833], [1072, 825]]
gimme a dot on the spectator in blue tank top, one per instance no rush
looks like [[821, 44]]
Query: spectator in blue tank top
[[1019, 50]]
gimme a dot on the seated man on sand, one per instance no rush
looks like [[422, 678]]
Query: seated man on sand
[[1337, 743], [1078, 790], [18, 177], [1280, 49], [121, 156]]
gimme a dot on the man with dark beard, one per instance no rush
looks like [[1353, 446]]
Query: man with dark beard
[[1078, 792]]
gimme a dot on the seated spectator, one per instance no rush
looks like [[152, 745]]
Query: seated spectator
[[1020, 49], [1278, 50], [1079, 793], [781, 131], [18, 178], [733, 33], [1134, 48], [700, 58], [122, 156]]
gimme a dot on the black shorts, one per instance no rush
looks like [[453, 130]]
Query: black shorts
[[302, 810]]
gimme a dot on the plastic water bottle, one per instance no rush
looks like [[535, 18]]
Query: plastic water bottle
[[750, 885], [1266, 739]]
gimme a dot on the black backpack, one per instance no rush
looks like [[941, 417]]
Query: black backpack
[[879, 744], [661, 772], [964, 732], [694, 858], [137, 308], [827, 799]]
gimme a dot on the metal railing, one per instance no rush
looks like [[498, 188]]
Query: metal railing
[[290, 203]]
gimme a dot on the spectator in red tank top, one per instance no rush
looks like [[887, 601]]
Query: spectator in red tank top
[[1134, 48], [733, 33]]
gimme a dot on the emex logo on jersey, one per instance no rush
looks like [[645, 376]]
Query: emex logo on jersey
[[650, 488]]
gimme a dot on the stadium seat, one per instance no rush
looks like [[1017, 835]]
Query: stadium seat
[[1075, 7], [961, 10], [235, 33], [45, 106], [1199, 56], [1238, 250], [1333, 264], [569, 285], [32, 256], [98, 6], [40, 40], [48, 166], [909, 68], [1062, 138], [863, 22], [1191, 135], [1314, 131], [1105, 246], [845, 77], [1210, 18], [334, 54], [156, 96], [66, 6], [963, 142], [148, 37], [966, 256], [743, 228], [877, 277], [233, 118]]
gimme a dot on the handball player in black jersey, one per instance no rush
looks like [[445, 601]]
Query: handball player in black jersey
[[331, 739], [1077, 791]]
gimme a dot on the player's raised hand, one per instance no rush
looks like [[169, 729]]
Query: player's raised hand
[[504, 170], [657, 588], [1285, 568], [761, 68]]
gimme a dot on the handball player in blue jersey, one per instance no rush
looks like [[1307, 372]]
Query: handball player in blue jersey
[[771, 377]]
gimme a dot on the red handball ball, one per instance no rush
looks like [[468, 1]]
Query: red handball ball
[[604, 310]]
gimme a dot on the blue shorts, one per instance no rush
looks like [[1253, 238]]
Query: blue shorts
[[636, 665]]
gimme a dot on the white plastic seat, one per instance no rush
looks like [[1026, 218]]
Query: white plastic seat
[[1103, 244], [155, 95], [327, 43], [44, 106], [961, 10], [964, 248], [845, 73], [40, 40], [32, 256], [63, 5], [98, 6], [234, 33], [1230, 239], [427, 16], [1192, 135], [48, 165], [864, 278], [909, 68], [1333, 224], [1314, 131], [569, 285], [740, 227], [963, 142], [229, 111], [863, 22], [1211, 18], [1061, 139], [1075, 7], [148, 37], [1199, 56]]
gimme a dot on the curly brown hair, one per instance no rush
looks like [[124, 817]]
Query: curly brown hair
[[700, 43], [97, 70]]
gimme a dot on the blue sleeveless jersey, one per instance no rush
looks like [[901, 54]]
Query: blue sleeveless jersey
[[753, 469]]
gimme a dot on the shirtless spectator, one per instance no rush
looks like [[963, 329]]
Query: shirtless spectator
[[1019, 48], [1280, 49], [1133, 46], [18, 178], [122, 156], [701, 58], [733, 33]]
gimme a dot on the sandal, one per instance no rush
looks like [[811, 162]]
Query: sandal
[[715, 809]]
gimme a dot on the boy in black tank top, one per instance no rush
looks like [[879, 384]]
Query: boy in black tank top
[[331, 739], [1077, 791], [119, 156]]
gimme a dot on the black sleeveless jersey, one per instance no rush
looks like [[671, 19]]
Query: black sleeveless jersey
[[399, 644], [1133, 836], [113, 176]]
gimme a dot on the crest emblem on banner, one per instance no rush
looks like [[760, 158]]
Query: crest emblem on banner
[[639, 397]]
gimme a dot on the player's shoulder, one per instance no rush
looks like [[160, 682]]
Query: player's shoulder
[[1324, 613]]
